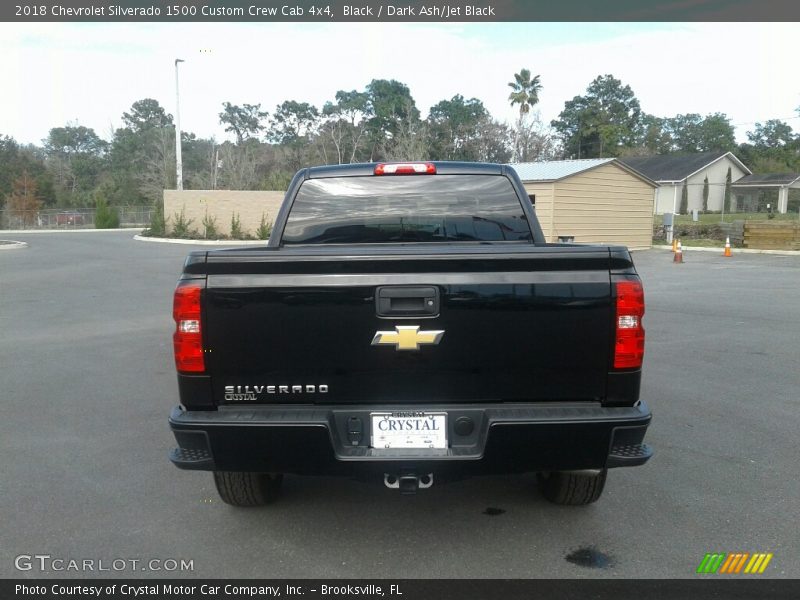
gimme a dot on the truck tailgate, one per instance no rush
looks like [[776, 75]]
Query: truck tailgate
[[519, 323]]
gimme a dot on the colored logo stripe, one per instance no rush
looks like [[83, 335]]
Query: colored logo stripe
[[758, 563], [711, 563], [734, 562]]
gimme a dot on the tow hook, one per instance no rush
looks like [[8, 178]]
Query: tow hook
[[408, 483]]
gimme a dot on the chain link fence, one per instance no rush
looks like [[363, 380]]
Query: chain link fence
[[72, 218]]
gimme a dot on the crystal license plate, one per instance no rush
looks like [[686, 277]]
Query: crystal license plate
[[409, 429]]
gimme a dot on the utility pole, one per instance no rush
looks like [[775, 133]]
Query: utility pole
[[178, 161]]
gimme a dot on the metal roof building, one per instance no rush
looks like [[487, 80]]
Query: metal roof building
[[600, 200]]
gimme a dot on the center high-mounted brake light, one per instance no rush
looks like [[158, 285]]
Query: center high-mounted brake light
[[629, 341], [411, 168], [188, 336]]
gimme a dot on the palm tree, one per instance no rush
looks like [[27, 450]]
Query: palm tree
[[526, 92]]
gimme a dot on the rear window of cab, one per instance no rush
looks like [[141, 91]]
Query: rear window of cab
[[425, 208]]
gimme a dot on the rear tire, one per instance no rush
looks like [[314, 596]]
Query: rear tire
[[242, 488], [572, 489]]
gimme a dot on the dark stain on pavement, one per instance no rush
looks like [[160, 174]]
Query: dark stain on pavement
[[493, 512], [590, 557]]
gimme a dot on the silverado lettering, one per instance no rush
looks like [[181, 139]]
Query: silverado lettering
[[274, 389], [368, 265]]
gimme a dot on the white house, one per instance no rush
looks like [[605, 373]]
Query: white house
[[672, 172]]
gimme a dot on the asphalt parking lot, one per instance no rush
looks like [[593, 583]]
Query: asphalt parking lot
[[87, 381]]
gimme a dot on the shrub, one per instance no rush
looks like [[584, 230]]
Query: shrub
[[105, 217], [684, 209], [236, 227], [181, 227], [699, 231], [264, 229], [158, 224], [210, 227]]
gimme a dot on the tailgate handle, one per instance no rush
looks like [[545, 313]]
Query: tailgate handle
[[404, 301]]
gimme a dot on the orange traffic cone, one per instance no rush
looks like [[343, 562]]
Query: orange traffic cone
[[678, 258], [674, 244], [727, 247]]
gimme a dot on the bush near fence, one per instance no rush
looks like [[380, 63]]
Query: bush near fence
[[72, 218]]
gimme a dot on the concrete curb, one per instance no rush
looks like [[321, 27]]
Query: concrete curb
[[735, 251], [12, 245], [141, 238], [27, 231]]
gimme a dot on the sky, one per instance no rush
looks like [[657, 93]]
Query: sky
[[53, 74]]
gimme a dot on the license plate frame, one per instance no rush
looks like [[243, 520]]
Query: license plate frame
[[409, 431]]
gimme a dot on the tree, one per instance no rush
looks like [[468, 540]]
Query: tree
[[142, 154], [240, 165], [24, 201], [727, 200], [685, 132], [773, 147], [717, 134], [525, 92], [454, 128], [705, 194], [294, 127], [346, 123], [243, 121], [15, 160], [534, 140], [656, 135], [772, 134], [105, 217], [684, 209], [75, 156], [146, 114], [393, 111], [71, 140], [199, 159], [9, 159], [408, 142], [603, 122], [692, 133], [292, 121]]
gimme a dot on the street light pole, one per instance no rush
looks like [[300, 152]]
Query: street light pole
[[178, 162]]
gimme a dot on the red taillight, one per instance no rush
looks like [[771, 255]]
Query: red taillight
[[629, 344], [188, 337], [411, 168]]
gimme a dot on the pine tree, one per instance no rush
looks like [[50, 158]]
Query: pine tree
[[728, 191], [684, 210], [24, 201], [105, 217]]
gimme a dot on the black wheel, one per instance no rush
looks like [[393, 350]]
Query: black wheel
[[240, 488], [573, 489]]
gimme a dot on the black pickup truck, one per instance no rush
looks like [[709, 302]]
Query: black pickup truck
[[408, 322]]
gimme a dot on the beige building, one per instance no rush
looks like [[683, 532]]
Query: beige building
[[599, 201]]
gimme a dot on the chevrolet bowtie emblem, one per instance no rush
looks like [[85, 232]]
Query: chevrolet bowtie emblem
[[407, 337]]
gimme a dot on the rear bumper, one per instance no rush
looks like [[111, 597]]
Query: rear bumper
[[504, 438]]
